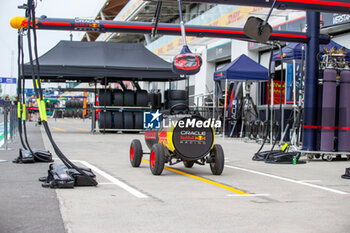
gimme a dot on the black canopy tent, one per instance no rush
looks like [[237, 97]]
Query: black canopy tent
[[90, 61]]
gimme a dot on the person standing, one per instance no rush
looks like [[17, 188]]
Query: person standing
[[30, 107]]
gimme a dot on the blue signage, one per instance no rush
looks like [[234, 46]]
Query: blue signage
[[151, 120], [8, 80]]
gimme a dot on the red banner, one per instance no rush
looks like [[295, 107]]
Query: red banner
[[276, 92]]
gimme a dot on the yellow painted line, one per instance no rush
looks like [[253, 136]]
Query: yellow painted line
[[204, 180], [81, 129], [63, 130]]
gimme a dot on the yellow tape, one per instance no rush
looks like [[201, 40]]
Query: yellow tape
[[24, 113], [284, 146], [19, 110], [36, 83], [43, 108], [204, 180]]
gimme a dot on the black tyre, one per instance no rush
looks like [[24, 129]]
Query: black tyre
[[105, 120], [141, 98], [58, 114], [74, 103], [135, 153], [188, 164], [175, 95], [171, 103], [327, 157], [217, 154], [79, 113], [65, 113], [75, 113], [81, 103], [128, 120], [129, 98], [118, 98], [68, 104], [77, 103], [101, 120], [158, 100], [152, 100], [138, 120], [157, 158], [118, 120], [104, 98], [70, 113]]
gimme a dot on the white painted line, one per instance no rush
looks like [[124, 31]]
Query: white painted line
[[289, 180], [114, 180], [106, 183], [249, 195], [310, 181]]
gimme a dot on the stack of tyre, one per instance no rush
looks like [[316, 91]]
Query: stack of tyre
[[74, 108], [126, 119], [155, 100], [177, 98], [49, 106]]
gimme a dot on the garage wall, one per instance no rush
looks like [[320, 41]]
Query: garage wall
[[343, 40]]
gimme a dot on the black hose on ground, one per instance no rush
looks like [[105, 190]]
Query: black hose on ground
[[38, 155], [30, 13]]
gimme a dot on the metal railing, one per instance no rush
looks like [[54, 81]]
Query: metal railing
[[8, 124], [207, 107]]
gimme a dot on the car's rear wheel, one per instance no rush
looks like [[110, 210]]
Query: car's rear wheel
[[218, 160]]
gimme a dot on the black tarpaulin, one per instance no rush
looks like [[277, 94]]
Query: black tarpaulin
[[88, 61]]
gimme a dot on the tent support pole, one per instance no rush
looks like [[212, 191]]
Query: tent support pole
[[294, 90], [104, 107], [93, 122], [214, 99], [310, 104], [272, 89], [284, 78], [122, 85], [188, 88], [224, 115]]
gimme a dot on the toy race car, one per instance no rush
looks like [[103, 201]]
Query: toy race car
[[186, 138]]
